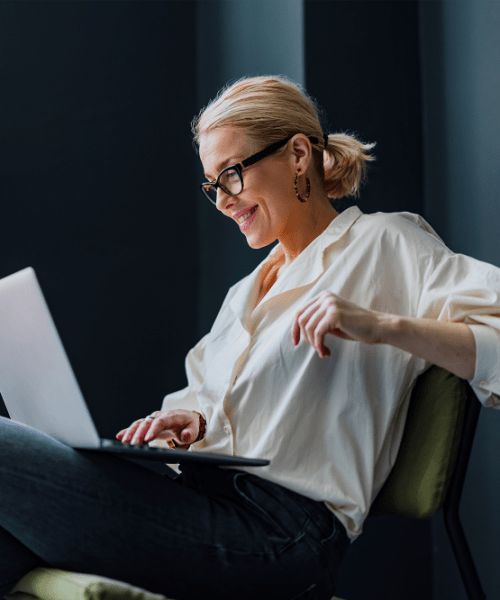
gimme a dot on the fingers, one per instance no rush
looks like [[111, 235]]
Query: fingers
[[299, 318], [323, 327], [314, 321], [123, 435], [316, 327], [142, 431], [179, 425], [136, 431], [158, 426], [328, 313]]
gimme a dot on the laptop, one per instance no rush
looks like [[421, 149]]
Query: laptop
[[39, 387]]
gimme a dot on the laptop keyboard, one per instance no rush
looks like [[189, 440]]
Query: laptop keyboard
[[139, 447]]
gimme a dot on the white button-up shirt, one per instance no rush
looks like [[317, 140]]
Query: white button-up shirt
[[332, 427]]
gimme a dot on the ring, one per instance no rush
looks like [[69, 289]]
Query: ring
[[150, 417]]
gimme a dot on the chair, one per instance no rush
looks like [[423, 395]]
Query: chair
[[441, 422]]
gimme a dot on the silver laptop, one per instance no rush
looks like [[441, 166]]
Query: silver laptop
[[39, 387]]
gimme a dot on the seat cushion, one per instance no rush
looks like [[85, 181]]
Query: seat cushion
[[419, 480], [55, 584]]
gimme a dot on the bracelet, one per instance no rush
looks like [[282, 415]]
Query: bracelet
[[202, 429]]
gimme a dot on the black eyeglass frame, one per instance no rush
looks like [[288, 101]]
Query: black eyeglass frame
[[251, 160]]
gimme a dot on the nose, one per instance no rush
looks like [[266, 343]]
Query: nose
[[224, 201]]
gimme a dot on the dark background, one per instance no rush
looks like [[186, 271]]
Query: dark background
[[99, 192], [96, 177]]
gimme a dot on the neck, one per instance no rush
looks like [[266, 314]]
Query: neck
[[305, 224]]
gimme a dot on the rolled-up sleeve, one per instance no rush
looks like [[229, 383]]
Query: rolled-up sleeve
[[459, 288], [486, 382]]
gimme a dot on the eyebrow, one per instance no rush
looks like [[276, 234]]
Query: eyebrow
[[223, 165]]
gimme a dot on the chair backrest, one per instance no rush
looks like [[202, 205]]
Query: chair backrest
[[419, 480]]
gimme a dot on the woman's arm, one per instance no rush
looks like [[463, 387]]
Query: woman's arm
[[448, 345]]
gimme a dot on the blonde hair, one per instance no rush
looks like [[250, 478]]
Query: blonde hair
[[271, 108]]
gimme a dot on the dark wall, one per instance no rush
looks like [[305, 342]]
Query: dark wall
[[362, 66], [95, 154], [461, 62], [237, 39]]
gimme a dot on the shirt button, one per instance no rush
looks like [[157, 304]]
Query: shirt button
[[483, 383], [227, 429]]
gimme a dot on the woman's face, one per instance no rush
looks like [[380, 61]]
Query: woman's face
[[268, 193]]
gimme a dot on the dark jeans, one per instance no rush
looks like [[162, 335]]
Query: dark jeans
[[211, 533]]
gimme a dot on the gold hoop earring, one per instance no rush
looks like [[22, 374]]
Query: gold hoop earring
[[295, 187]]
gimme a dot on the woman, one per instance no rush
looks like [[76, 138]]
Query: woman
[[310, 363]]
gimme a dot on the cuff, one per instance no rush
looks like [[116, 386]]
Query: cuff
[[486, 382]]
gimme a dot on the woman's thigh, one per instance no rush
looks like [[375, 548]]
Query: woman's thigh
[[97, 513]]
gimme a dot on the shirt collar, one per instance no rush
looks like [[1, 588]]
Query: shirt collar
[[305, 269]]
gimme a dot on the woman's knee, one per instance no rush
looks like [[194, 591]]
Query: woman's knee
[[25, 449]]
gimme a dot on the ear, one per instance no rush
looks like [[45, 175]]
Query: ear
[[301, 152]]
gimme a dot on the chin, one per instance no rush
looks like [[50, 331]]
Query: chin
[[255, 244]]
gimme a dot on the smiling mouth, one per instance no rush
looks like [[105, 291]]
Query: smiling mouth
[[247, 215]]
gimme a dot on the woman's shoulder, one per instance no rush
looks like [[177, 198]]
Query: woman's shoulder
[[405, 225]]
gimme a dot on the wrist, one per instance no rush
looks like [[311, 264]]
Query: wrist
[[390, 328]]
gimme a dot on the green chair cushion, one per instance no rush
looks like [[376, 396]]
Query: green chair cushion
[[55, 584], [419, 480]]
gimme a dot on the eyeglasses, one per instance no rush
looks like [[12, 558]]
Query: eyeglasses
[[230, 179]]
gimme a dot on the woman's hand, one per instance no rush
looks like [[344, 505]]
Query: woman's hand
[[446, 344], [328, 313], [182, 426]]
